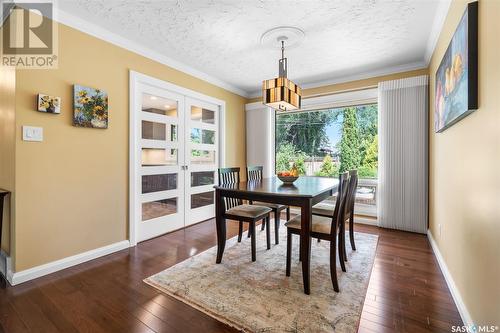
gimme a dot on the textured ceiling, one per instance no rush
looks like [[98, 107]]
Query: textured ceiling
[[222, 38]]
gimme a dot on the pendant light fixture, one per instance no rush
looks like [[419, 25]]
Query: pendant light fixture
[[281, 93]]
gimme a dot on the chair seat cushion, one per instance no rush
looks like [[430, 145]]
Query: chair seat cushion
[[320, 224], [250, 211], [270, 205], [325, 207]]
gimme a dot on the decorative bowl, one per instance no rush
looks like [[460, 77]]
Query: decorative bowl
[[287, 180]]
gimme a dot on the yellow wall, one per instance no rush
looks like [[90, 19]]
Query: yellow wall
[[72, 188], [7, 146], [465, 175], [354, 85]]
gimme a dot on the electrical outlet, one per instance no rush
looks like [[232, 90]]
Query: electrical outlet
[[439, 230]]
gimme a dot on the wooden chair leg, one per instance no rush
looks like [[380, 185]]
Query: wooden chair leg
[[343, 243], [351, 232], [252, 227], [240, 231], [268, 231], [263, 225], [249, 232], [300, 252], [288, 213], [288, 251], [341, 251], [333, 264], [343, 247], [276, 227]]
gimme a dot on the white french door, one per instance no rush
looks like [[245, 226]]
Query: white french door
[[176, 150], [201, 156]]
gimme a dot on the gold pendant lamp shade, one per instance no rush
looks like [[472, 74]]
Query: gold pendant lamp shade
[[281, 93]]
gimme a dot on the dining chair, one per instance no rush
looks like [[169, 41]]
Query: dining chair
[[325, 228], [254, 173], [234, 209], [326, 207]]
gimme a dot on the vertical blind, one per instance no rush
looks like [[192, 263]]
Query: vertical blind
[[403, 154], [260, 138]]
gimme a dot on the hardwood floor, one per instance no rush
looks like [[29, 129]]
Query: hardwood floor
[[407, 292]]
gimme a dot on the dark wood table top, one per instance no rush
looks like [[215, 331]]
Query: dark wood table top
[[304, 187]]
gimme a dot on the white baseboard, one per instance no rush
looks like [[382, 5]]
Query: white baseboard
[[459, 302], [364, 220], [15, 278]]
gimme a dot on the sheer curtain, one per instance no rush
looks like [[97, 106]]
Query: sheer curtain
[[403, 154], [260, 137]]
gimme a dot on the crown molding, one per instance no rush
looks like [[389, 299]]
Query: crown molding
[[437, 27], [366, 75], [110, 37], [92, 29]]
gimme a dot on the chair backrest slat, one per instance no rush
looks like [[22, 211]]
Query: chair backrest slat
[[254, 172], [340, 203], [230, 176], [351, 193]]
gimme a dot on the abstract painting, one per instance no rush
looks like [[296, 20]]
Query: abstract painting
[[456, 88], [90, 107], [49, 104]]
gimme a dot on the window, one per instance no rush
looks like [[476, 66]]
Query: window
[[328, 141], [324, 142]]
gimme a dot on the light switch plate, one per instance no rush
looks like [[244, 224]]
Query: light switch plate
[[31, 133]]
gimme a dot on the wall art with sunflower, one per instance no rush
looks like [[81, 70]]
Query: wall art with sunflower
[[90, 107], [49, 104]]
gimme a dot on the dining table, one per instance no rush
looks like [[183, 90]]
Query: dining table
[[304, 193]]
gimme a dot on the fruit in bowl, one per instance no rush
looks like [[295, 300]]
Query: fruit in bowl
[[288, 177]]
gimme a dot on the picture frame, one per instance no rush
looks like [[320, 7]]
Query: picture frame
[[90, 107], [48, 104], [456, 79]]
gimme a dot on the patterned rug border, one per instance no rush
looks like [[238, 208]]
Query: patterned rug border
[[224, 320], [198, 307]]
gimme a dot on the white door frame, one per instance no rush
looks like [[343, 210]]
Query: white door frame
[[136, 78]]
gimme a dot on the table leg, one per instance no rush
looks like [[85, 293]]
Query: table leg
[[305, 243], [220, 222]]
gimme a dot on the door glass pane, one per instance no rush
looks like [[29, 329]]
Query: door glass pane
[[159, 105], [202, 156], [202, 136], [173, 132], [202, 199], [202, 178], [158, 157], [153, 131], [154, 209], [155, 183], [203, 115]]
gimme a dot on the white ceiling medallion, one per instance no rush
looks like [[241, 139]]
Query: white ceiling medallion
[[291, 35]]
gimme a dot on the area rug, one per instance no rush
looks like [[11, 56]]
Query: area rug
[[258, 297]]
